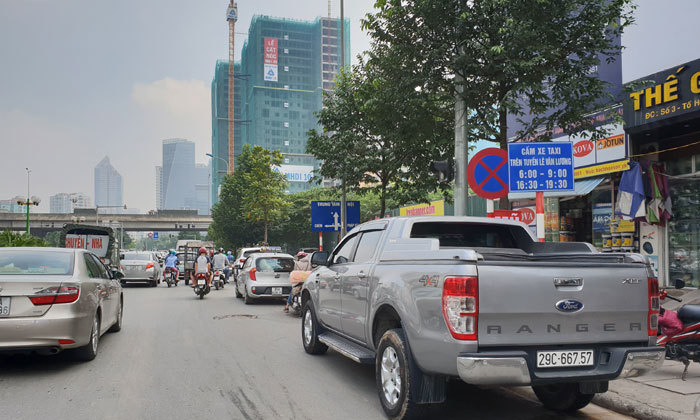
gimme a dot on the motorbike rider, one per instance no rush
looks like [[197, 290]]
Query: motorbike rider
[[303, 263], [227, 270], [220, 261], [171, 262], [202, 265]]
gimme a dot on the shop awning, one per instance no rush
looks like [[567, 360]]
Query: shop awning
[[581, 187]]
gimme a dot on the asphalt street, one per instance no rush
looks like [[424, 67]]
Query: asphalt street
[[178, 357]]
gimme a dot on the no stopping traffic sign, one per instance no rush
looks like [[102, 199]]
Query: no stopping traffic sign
[[487, 173]]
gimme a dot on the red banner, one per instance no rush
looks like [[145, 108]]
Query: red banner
[[271, 51]]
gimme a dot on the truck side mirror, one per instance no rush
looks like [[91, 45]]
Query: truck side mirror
[[117, 274], [680, 284], [319, 258]]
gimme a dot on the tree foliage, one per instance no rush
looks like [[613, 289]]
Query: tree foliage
[[381, 130], [512, 56], [9, 238]]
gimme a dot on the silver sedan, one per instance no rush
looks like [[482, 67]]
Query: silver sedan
[[52, 299], [141, 267], [265, 275]]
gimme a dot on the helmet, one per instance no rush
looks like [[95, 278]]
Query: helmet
[[221, 250], [202, 250], [301, 254], [229, 253], [172, 252]]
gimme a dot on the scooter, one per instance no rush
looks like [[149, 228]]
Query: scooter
[[201, 288], [296, 298], [218, 279], [171, 277], [685, 345]]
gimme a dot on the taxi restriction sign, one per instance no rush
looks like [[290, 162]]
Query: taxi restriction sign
[[487, 173]]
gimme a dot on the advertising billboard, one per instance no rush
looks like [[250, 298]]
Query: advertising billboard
[[270, 60]]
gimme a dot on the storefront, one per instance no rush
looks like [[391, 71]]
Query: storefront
[[662, 120]]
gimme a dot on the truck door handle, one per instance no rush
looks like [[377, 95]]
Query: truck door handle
[[361, 274]]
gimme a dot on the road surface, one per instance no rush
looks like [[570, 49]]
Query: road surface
[[179, 357]]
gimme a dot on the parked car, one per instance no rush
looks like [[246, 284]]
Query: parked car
[[265, 275], [141, 267], [55, 299], [425, 299]]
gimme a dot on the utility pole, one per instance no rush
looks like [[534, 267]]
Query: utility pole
[[232, 17], [343, 198], [460, 188]]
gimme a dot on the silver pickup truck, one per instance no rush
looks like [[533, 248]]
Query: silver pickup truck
[[427, 299]]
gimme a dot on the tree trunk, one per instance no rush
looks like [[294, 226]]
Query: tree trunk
[[503, 203], [382, 201], [265, 237]]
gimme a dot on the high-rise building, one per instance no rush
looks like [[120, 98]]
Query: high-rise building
[[11, 206], [109, 189], [285, 67], [66, 202], [159, 187], [184, 185]]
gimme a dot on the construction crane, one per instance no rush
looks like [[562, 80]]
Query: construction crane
[[231, 17]]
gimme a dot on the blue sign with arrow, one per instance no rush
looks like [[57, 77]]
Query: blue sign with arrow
[[325, 215]]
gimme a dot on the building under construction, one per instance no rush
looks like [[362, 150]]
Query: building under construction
[[284, 68]]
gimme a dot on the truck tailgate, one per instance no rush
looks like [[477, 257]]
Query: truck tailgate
[[518, 303]]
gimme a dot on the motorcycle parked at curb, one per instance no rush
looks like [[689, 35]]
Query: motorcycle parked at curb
[[218, 279], [684, 345], [201, 288], [171, 277]]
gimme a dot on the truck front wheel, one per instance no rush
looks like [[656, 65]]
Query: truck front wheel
[[562, 397], [395, 373]]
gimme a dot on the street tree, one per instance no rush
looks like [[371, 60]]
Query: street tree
[[263, 198], [531, 60], [381, 130], [10, 238]]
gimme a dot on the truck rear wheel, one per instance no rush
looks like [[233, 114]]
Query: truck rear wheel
[[562, 397], [395, 373]]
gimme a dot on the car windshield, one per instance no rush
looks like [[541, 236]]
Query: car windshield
[[36, 262], [136, 256], [274, 264]]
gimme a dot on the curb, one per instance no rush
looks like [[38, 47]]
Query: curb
[[622, 405]]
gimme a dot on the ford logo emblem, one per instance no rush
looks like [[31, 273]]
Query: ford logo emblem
[[569, 305]]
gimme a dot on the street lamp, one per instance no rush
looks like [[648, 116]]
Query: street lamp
[[33, 201], [97, 211], [220, 158]]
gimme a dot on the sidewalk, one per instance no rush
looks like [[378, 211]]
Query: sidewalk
[[660, 395]]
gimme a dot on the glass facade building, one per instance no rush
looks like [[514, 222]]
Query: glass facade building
[[109, 189], [275, 107], [184, 185]]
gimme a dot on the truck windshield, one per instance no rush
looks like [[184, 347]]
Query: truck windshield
[[466, 235]]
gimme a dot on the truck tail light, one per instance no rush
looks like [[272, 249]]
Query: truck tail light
[[149, 266], [51, 295], [460, 306], [252, 274], [242, 260], [654, 306]]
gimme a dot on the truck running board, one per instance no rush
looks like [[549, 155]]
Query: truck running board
[[347, 348]]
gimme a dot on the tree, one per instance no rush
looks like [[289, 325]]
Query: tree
[[509, 57], [263, 199], [9, 238], [381, 130], [53, 239]]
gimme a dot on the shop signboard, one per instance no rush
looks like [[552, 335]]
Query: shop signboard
[[295, 173], [602, 156], [270, 60], [435, 208], [523, 214], [325, 215], [541, 167], [659, 97]]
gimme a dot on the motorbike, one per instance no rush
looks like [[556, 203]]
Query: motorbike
[[684, 346], [296, 298], [171, 277], [201, 288], [218, 279]]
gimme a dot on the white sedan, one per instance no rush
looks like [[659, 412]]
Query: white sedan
[[265, 275]]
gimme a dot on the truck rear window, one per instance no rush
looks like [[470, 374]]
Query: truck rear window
[[466, 235]]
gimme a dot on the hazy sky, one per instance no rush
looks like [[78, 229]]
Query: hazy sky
[[81, 79]]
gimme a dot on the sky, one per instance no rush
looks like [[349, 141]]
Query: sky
[[81, 79]]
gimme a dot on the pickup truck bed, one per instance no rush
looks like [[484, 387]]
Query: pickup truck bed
[[481, 300]]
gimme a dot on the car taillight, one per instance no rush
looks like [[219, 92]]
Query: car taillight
[[654, 306], [252, 274], [242, 260], [149, 265], [51, 295], [460, 306]]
